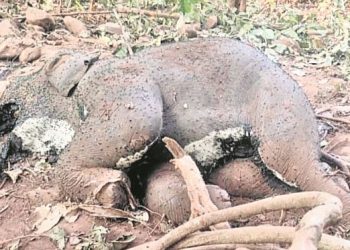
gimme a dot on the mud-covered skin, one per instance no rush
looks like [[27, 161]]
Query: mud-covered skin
[[206, 85], [185, 91]]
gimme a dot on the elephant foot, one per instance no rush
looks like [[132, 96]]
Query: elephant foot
[[242, 178], [166, 194], [103, 186]]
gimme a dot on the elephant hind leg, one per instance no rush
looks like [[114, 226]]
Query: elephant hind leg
[[94, 185]]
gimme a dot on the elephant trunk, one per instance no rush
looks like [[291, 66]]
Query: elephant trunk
[[313, 178]]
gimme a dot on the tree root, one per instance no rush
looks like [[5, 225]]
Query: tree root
[[256, 235], [234, 247], [312, 223], [307, 235], [196, 188]]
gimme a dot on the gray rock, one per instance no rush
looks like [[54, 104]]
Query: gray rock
[[76, 26], [41, 18]]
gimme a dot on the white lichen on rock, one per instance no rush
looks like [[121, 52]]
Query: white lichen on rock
[[208, 150], [127, 161], [39, 135]]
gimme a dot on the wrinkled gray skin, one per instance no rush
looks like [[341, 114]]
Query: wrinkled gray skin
[[187, 90]]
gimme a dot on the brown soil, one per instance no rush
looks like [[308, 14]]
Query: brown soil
[[16, 218], [323, 86]]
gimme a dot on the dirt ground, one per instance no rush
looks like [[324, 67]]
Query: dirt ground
[[326, 88]]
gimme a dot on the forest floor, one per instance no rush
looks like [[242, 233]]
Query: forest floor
[[301, 38]]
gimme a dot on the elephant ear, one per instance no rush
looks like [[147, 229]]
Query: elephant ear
[[66, 69]]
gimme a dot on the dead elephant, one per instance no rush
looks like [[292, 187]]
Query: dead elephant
[[209, 89]]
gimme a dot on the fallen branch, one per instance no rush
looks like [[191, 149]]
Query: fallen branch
[[289, 201], [256, 235], [335, 119], [196, 188], [330, 159], [124, 10], [234, 247]]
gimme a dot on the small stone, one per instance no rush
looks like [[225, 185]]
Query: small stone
[[75, 26], [41, 18], [190, 29], [212, 22], [111, 28], [8, 28], [28, 42], [74, 240], [30, 54], [10, 48], [185, 106]]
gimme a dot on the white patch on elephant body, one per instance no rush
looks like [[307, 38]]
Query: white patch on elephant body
[[39, 135], [125, 162], [208, 150], [280, 177]]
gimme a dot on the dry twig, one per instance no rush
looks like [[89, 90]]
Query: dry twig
[[335, 119], [331, 159]]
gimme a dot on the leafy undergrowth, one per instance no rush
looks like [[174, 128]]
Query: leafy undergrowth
[[312, 33]]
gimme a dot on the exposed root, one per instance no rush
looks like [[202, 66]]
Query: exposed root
[[234, 247], [310, 228], [256, 235], [196, 188], [289, 201]]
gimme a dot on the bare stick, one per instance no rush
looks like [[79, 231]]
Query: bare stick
[[330, 159], [256, 235], [288, 201], [335, 119], [22, 237], [92, 4], [125, 10], [196, 188], [234, 247]]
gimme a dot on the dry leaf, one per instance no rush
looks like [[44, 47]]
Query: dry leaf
[[122, 241], [15, 245], [72, 214], [108, 212], [14, 174], [48, 217], [57, 234]]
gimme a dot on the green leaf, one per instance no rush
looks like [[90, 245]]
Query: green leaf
[[291, 34], [280, 48], [57, 234], [122, 52], [185, 6], [264, 33]]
